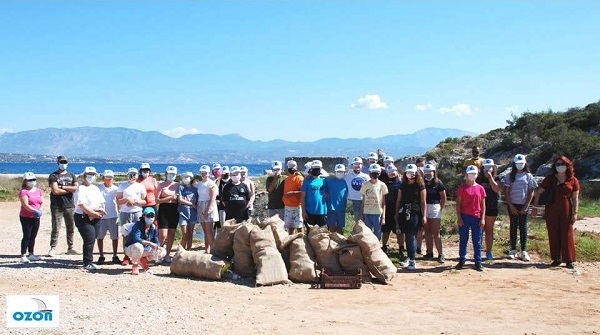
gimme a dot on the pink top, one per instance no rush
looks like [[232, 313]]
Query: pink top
[[471, 196], [34, 199]]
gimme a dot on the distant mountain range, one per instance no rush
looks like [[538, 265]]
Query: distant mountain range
[[124, 144]]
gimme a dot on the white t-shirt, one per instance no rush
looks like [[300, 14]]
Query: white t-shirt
[[110, 200], [355, 182], [88, 195], [136, 191], [204, 190]]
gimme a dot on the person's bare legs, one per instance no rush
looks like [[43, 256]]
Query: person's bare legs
[[208, 228], [434, 231], [170, 239], [428, 237], [189, 236], [489, 232], [184, 230]]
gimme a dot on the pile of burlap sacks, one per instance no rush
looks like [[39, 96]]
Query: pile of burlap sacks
[[265, 250]]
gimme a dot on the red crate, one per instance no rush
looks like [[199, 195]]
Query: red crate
[[344, 280]]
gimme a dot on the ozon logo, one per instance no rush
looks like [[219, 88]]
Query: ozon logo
[[32, 311]]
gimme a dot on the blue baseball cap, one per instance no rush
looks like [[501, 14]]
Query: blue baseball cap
[[149, 210]]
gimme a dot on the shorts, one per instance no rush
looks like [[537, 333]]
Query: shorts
[[213, 214], [315, 219], [434, 211], [491, 211], [168, 216], [185, 221], [292, 217], [336, 219], [108, 225], [273, 212], [126, 217], [390, 220]]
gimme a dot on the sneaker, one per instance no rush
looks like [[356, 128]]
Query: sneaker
[[441, 258], [125, 261], [489, 256], [72, 251], [404, 263], [135, 269], [412, 266], [525, 256], [24, 260], [90, 267], [512, 254], [34, 258], [478, 266], [116, 260], [570, 266], [51, 253], [144, 263], [101, 260], [555, 263], [459, 265], [428, 256], [167, 259]]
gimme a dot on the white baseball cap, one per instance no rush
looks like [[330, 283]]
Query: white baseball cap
[[388, 159], [307, 167], [108, 173], [216, 166], [411, 168], [243, 169], [89, 170], [171, 169], [132, 170], [340, 168], [204, 168], [519, 158], [145, 166], [488, 162], [187, 174], [235, 169], [472, 169], [291, 164], [316, 164], [373, 155], [391, 168], [375, 168], [29, 176], [276, 165], [224, 169], [429, 167], [357, 160]]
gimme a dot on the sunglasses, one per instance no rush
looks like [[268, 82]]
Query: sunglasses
[[30, 179], [63, 162], [561, 164], [150, 216]]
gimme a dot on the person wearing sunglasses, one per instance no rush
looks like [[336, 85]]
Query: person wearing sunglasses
[[142, 242], [32, 202]]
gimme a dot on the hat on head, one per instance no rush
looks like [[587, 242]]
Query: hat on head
[[108, 173], [204, 168], [216, 166], [224, 169], [243, 169], [171, 169], [391, 168], [61, 158], [340, 168], [357, 160], [316, 164], [472, 169], [132, 170], [411, 168], [149, 210], [519, 158], [429, 167], [28, 176], [187, 174], [276, 165], [488, 162], [388, 159], [89, 170], [235, 169], [375, 168], [291, 164], [373, 155], [145, 166], [307, 166]]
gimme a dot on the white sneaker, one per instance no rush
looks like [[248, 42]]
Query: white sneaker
[[51, 253], [24, 260], [512, 254], [404, 263], [34, 258], [525, 256], [90, 267], [412, 265]]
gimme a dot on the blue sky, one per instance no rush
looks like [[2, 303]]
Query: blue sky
[[299, 70]]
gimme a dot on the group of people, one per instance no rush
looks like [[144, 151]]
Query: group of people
[[410, 204]]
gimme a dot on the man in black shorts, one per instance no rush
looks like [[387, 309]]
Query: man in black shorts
[[62, 208], [235, 197]]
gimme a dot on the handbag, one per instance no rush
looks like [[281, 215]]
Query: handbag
[[547, 198]]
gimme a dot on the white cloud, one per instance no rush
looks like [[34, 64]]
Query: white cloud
[[423, 107], [458, 110], [370, 101], [6, 130], [180, 131], [512, 109]]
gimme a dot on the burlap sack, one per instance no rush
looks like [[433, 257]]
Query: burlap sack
[[377, 261], [302, 267], [197, 264], [351, 259], [223, 245], [243, 263], [270, 268], [324, 248]]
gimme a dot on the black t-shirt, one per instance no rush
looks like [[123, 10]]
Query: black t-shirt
[[433, 191], [393, 186], [491, 197], [411, 194], [221, 185], [236, 199], [66, 200]]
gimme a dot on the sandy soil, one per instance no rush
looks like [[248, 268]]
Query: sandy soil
[[509, 297]]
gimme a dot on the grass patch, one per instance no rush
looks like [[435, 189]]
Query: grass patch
[[589, 209]]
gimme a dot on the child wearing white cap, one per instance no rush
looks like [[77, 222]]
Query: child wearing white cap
[[292, 198], [188, 215], [373, 203], [410, 208], [108, 223], [274, 186], [167, 198], [354, 180], [314, 204], [337, 197]]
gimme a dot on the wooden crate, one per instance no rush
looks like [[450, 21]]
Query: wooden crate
[[344, 280]]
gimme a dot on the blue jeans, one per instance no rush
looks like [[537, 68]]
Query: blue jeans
[[356, 209], [373, 221], [519, 221], [410, 229], [470, 223]]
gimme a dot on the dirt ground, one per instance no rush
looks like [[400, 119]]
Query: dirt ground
[[509, 297]]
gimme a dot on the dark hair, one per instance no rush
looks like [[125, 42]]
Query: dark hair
[[435, 181], [420, 160], [513, 172], [570, 166], [481, 176], [24, 184]]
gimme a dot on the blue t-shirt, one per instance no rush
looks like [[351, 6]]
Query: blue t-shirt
[[314, 202], [337, 189], [189, 193]]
